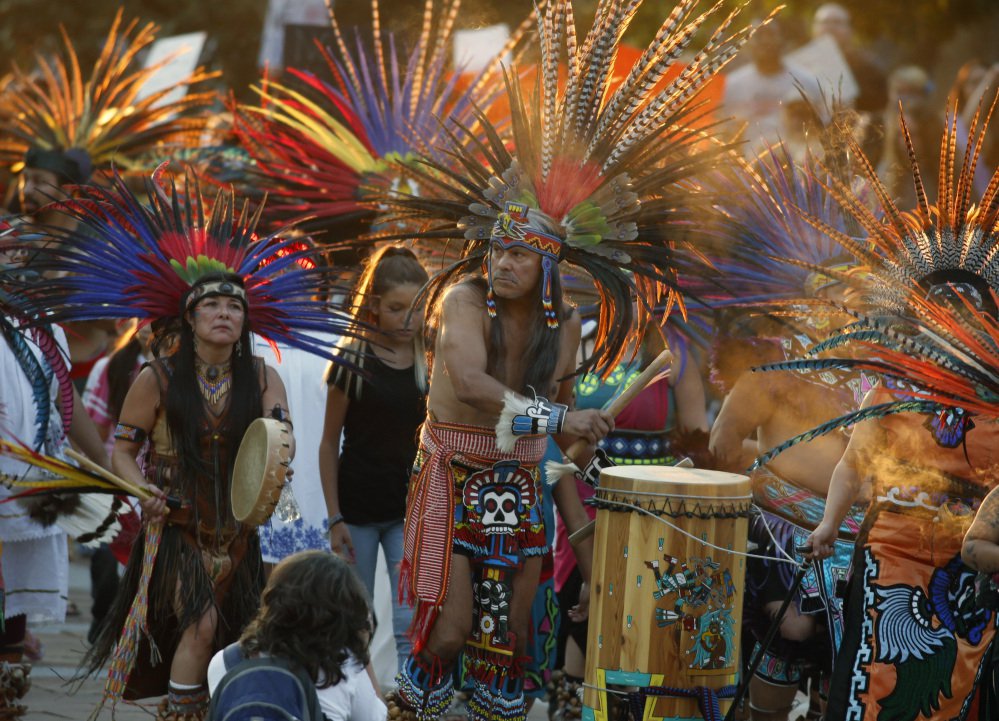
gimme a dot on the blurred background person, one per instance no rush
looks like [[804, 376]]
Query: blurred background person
[[756, 93], [910, 85]]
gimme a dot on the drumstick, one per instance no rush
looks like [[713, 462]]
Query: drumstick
[[555, 470], [584, 532], [107, 475]]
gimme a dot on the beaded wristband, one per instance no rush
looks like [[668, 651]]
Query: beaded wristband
[[542, 416]]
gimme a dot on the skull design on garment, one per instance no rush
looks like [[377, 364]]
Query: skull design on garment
[[500, 496], [499, 510]]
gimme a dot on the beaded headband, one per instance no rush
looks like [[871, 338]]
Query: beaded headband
[[512, 229]]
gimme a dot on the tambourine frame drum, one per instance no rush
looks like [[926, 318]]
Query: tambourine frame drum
[[259, 473], [665, 608]]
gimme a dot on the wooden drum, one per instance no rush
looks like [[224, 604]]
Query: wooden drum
[[259, 473], [665, 609]]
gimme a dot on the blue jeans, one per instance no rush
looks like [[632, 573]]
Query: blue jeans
[[366, 539]]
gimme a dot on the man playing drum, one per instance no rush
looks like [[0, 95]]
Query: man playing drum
[[497, 536], [583, 178]]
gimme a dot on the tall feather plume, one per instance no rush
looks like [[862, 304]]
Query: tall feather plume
[[945, 198], [718, 51], [965, 182], [552, 28], [421, 47], [619, 212], [646, 73], [650, 69], [322, 150], [105, 115], [952, 234]]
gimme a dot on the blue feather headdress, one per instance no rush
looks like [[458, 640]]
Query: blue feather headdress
[[773, 255], [132, 258]]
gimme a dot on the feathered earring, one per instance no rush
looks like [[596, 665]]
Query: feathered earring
[[490, 298], [548, 267]]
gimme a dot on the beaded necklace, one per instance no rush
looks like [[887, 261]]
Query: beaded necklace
[[213, 380]]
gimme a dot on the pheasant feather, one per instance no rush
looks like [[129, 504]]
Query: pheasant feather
[[614, 210]]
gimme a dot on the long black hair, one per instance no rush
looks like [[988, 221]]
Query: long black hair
[[185, 408], [543, 344]]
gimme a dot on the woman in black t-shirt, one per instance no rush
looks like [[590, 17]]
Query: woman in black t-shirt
[[365, 480]]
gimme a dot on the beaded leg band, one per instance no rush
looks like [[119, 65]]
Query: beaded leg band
[[426, 687], [503, 704], [183, 704], [499, 688]]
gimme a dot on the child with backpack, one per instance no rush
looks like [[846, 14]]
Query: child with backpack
[[305, 654]]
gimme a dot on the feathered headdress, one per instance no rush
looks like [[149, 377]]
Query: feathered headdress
[[318, 147], [772, 254], [932, 244], [941, 359], [126, 258], [589, 174], [933, 332], [106, 117]]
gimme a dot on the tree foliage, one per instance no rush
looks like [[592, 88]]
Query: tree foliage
[[234, 26], [917, 29]]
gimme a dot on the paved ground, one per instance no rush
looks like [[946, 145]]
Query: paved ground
[[51, 698]]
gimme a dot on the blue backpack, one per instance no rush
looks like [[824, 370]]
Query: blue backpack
[[263, 689]]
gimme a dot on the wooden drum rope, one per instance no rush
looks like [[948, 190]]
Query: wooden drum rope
[[615, 505], [260, 470]]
